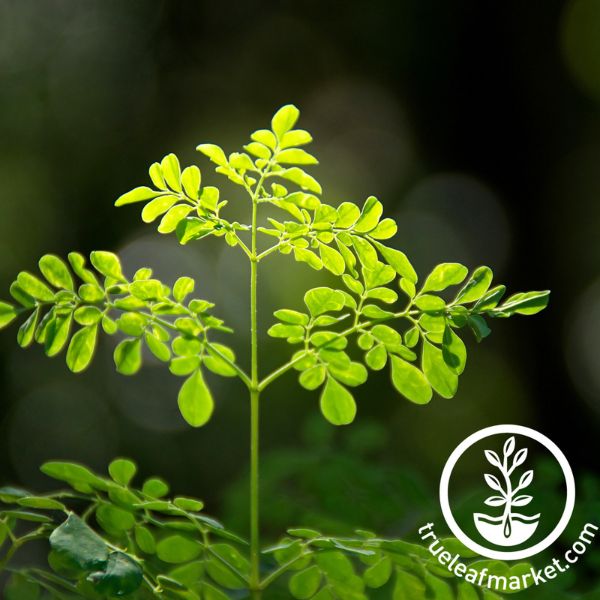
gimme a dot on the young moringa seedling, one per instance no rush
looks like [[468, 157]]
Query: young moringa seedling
[[379, 314]]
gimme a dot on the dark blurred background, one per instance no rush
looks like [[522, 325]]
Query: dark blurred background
[[476, 123]]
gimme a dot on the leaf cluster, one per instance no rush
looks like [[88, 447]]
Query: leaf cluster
[[107, 538]]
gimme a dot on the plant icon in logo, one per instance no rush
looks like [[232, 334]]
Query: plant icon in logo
[[511, 528]]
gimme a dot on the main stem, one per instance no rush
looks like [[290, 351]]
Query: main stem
[[254, 422]]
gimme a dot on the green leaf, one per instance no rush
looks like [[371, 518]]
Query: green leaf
[[74, 474], [454, 351], [408, 587], [8, 313], [365, 252], [139, 194], [193, 228], [281, 330], [376, 357], [190, 178], [337, 403], [265, 137], [379, 573], [379, 274], [114, 520], [296, 137], [19, 587], [214, 153], [398, 261], [177, 549], [284, 119], [332, 260], [443, 276], [156, 175], [91, 292], [347, 215], [476, 286], [56, 272], [77, 262], [293, 317], [122, 470], [26, 332], [155, 488], [369, 216], [213, 362], [430, 303], [490, 299], [158, 348], [158, 206], [78, 545], [409, 381], [408, 287], [128, 356], [41, 503], [221, 573], [183, 287], [108, 264], [188, 504], [323, 299], [195, 400], [372, 311], [296, 156], [259, 150], [145, 540], [57, 334], [442, 378], [526, 303], [303, 255], [384, 294], [88, 315], [212, 593], [305, 584], [171, 171], [121, 577], [313, 378], [184, 365], [386, 335], [479, 327], [81, 349], [304, 180], [147, 289], [34, 287], [174, 216], [385, 230], [353, 375], [353, 284], [466, 591]]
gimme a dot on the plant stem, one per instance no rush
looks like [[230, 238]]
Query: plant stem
[[254, 419]]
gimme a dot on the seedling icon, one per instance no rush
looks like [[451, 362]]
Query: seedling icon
[[511, 528]]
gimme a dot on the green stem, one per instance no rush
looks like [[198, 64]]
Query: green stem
[[254, 419]]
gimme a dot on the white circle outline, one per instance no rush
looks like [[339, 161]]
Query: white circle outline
[[510, 429]]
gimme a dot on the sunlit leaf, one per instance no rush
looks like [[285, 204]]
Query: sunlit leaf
[[195, 400]]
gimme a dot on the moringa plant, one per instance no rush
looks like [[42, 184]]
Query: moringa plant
[[378, 314]]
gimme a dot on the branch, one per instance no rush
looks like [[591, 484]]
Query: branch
[[287, 366], [267, 252], [269, 579], [241, 373]]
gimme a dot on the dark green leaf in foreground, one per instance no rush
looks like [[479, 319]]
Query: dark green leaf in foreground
[[78, 545], [122, 576]]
